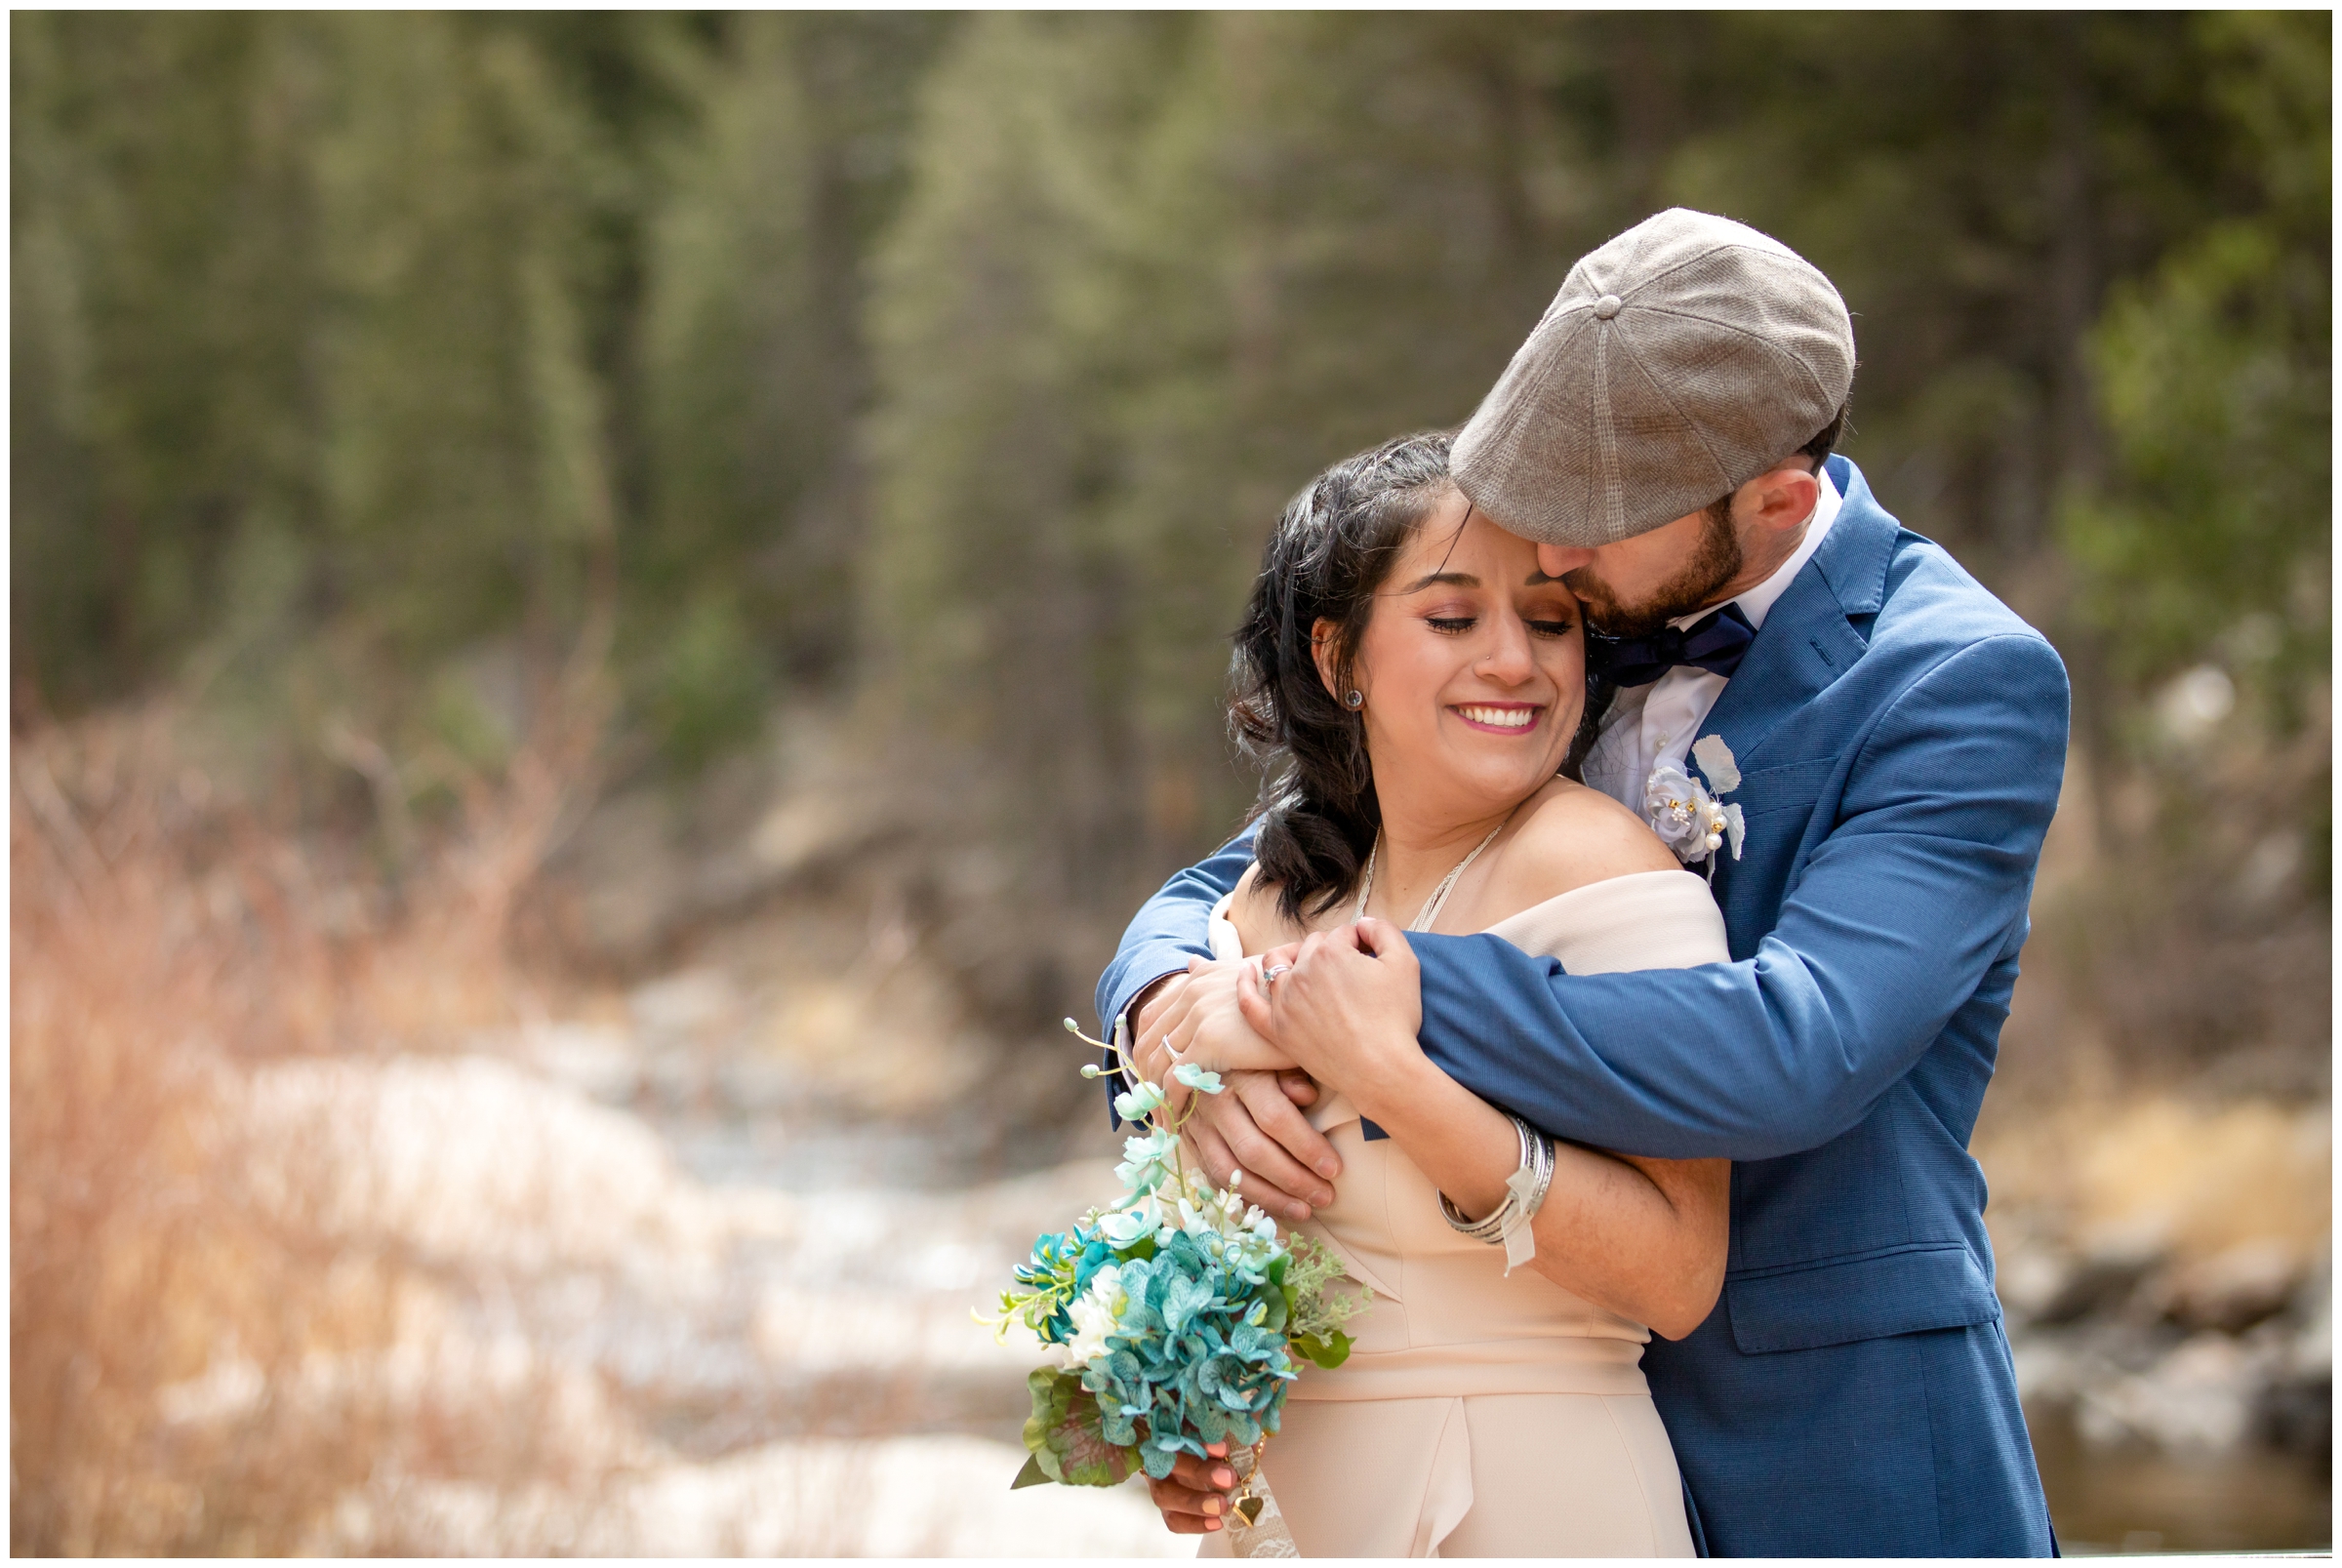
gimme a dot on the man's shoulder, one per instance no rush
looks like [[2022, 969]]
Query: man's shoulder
[[1922, 606], [1930, 597], [1934, 613], [1913, 605]]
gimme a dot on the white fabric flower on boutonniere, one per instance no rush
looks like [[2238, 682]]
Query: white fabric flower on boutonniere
[[1685, 812]]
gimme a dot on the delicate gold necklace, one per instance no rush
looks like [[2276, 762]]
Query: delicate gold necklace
[[1438, 899]]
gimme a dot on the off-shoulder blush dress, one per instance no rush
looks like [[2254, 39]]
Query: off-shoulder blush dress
[[1481, 1415]]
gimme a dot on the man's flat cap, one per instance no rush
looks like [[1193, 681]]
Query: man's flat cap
[[1679, 361]]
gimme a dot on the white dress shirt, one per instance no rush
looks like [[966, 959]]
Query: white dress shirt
[[1648, 725]]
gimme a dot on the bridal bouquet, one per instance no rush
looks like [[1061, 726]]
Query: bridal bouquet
[[1179, 1314]]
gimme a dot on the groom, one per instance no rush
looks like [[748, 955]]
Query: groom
[[1893, 738]]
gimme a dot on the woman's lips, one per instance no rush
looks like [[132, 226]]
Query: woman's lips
[[1499, 718]]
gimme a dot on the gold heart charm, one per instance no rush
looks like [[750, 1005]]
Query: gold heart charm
[[1250, 1508]]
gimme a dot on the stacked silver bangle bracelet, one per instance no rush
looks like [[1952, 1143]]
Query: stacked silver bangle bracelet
[[1524, 1195]]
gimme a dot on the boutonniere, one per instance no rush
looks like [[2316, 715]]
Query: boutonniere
[[1685, 813]]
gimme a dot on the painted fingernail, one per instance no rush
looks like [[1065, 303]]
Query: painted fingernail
[[1211, 1506], [1224, 1478], [1209, 1525]]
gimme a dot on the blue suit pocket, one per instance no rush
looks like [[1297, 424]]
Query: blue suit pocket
[[1784, 786], [1839, 1300]]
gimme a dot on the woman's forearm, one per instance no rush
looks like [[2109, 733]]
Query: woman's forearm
[[1644, 1239]]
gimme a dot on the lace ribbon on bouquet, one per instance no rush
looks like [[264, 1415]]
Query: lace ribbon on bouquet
[[1256, 1525]]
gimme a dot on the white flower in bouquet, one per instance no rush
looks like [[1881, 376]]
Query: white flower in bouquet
[[1094, 1316], [1197, 1079], [1134, 1105], [1150, 1161], [1127, 1226]]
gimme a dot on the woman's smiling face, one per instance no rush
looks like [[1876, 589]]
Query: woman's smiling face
[[1472, 665]]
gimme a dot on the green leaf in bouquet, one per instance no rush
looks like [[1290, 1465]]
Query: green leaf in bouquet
[[1329, 1351], [1063, 1437], [1031, 1475]]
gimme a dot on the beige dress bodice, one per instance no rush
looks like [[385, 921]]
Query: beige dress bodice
[[1422, 1442], [1447, 1319]]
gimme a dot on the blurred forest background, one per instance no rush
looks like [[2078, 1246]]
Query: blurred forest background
[[634, 599]]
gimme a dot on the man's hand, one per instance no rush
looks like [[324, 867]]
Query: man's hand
[[1252, 1125], [1347, 1009]]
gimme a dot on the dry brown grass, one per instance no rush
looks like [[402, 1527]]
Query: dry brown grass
[[164, 938]]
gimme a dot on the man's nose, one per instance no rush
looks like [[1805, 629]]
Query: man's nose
[[1560, 560]]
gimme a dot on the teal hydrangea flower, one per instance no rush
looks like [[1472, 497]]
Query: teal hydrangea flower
[[1192, 1354]]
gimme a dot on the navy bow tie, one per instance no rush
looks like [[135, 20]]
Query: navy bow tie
[[1717, 643]]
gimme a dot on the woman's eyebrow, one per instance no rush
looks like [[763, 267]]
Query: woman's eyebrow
[[1462, 580]]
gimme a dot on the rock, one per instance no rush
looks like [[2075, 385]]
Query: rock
[[652, 864], [2031, 1279], [2233, 1289], [684, 1007], [2101, 1278], [2297, 1415], [601, 1063], [2201, 1395]]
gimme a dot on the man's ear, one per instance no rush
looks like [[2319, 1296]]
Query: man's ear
[[1322, 649], [1783, 498]]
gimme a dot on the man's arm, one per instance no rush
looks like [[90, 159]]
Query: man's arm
[[1917, 891], [1170, 929]]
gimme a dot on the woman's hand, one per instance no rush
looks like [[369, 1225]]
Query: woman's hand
[[1194, 1497], [1204, 1024], [1347, 1009], [1255, 1123]]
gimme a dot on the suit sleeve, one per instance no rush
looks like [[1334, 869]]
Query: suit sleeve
[[1171, 928], [1915, 892]]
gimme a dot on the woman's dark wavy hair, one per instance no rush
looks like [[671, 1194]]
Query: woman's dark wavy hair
[[1332, 548]]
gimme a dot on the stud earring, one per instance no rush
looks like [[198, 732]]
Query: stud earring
[[1355, 701]]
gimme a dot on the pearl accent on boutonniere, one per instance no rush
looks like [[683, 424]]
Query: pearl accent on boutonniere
[[1684, 812]]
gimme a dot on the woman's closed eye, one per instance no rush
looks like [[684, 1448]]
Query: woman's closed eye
[[1457, 626]]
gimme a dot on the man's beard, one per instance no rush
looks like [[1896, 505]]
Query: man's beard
[[1715, 563]]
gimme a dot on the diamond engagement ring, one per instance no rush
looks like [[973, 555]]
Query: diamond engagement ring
[[1270, 974]]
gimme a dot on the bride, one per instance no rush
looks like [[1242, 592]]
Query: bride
[[1417, 684]]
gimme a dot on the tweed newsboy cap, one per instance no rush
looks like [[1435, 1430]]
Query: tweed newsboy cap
[[1679, 361]]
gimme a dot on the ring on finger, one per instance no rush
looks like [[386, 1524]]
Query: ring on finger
[[1270, 974]]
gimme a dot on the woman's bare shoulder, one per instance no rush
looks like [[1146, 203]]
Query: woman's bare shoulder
[[1569, 836]]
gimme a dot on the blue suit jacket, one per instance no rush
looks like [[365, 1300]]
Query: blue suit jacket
[[1901, 736]]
